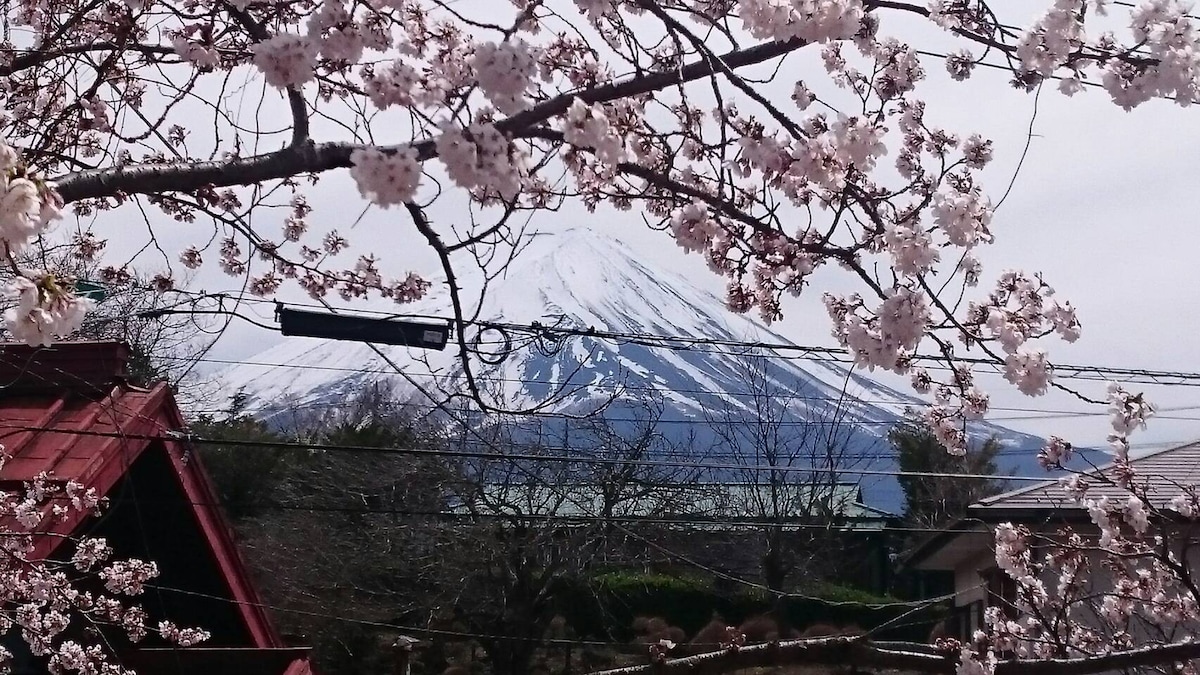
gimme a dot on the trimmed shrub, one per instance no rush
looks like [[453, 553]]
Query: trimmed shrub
[[619, 605]]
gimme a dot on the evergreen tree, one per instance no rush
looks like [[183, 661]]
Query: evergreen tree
[[933, 501]]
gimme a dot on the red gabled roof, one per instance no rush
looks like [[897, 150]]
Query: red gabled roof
[[67, 410]]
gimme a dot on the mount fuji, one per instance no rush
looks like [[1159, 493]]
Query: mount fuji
[[579, 278]]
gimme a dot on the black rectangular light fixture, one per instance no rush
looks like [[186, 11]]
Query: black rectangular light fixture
[[300, 323]]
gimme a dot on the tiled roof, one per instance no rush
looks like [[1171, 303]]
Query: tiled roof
[[1163, 473], [67, 411], [76, 436]]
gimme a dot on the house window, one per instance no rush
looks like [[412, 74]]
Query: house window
[[1001, 591]]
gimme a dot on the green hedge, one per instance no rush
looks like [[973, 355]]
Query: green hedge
[[606, 605]]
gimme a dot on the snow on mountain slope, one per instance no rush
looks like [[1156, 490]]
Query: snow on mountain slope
[[580, 278]]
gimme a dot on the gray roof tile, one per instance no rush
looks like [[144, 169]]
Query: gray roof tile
[[1163, 472]]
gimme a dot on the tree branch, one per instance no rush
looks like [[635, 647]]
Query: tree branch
[[37, 57], [320, 157], [1151, 655], [842, 651], [295, 97], [854, 651], [188, 176]]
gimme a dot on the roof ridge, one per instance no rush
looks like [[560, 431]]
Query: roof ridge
[[1095, 470]]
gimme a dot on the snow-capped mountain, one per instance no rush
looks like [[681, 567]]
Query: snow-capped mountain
[[580, 278]]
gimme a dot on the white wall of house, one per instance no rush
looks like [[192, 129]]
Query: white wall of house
[[970, 588], [969, 585]]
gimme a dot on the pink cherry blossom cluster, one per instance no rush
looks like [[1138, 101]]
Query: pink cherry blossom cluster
[[338, 36], [693, 227], [1017, 311], [1159, 57], [44, 310], [504, 71], [588, 127], [885, 337], [1055, 453], [43, 307], [39, 598], [808, 20], [286, 60], [27, 205], [386, 178], [480, 158], [399, 84], [1064, 608]]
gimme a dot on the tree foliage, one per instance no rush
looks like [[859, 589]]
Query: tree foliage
[[934, 501]]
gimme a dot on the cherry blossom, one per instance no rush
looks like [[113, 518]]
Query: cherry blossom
[[286, 60], [588, 127], [44, 310], [504, 72], [38, 597], [386, 178], [1055, 453], [1029, 370], [481, 158]]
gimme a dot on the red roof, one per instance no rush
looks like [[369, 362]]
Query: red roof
[[69, 410]]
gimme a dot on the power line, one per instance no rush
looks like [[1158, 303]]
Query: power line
[[788, 350], [1035, 413], [778, 395], [509, 457], [488, 513], [540, 640]]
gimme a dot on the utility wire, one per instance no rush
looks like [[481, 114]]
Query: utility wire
[[509, 457], [819, 353], [838, 524], [777, 395], [520, 638]]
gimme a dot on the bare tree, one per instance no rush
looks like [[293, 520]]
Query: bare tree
[[341, 537], [630, 480], [480, 534], [788, 452], [551, 517]]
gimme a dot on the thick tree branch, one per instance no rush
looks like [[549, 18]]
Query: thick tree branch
[[317, 158], [1152, 655], [854, 651], [190, 176], [841, 651], [37, 57], [295, 97], [649, 82]]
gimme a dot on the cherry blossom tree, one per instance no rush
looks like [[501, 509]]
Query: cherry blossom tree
[[778, 139]]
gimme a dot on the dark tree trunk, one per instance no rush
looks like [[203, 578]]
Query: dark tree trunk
[[511, 657], [775, 564]]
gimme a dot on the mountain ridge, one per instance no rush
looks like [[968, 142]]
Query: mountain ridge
[[579, 278]]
